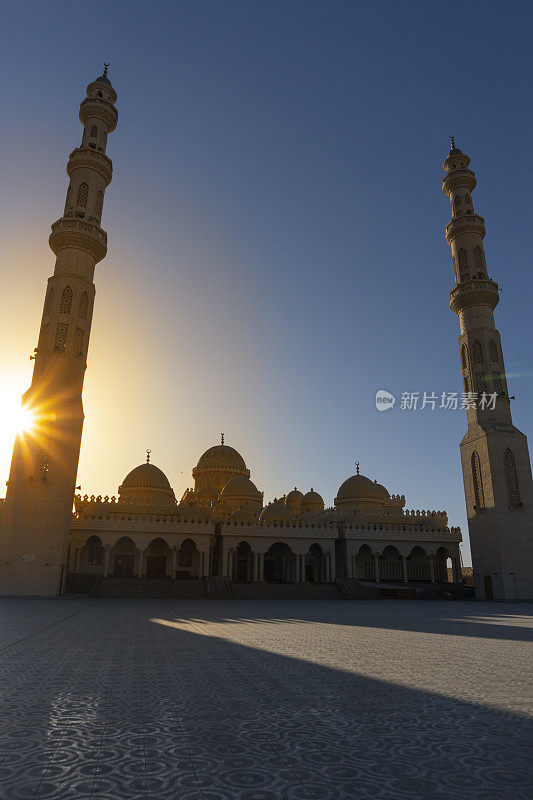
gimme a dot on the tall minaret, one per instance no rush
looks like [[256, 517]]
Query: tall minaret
[[494, 454], [37, 514]]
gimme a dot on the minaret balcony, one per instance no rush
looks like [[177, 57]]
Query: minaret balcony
[[101, 109], [478, 292], [79, 234], [460, 177], [90, 159], [469, 223]]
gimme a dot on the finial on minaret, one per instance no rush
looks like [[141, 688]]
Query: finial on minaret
[[148, 456], [357, 466], [221, 438], [452, 142], [105, 69]]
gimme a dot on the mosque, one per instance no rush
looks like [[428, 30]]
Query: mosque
[[221, 527], [221, 532]]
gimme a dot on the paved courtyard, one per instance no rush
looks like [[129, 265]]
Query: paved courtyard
[[207, 700]]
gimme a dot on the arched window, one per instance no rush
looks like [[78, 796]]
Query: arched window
[[493, 351], [513, 491], [457, 200], [61, 336], [78, 341], [497, 382], [48, 303], [464, 357], [83, 194], [99, 204], [468, 201], [66, 301], [481, 382], [83, 306], [478, 257], [477, 352], [94, 132], [477, 480], [463, 263]]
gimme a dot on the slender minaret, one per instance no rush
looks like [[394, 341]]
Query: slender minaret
[[494, 454], [37, 514]]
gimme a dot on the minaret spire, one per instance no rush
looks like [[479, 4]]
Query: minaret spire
[[494, 454], [40, 492]]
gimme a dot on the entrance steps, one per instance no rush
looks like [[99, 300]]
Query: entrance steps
[[218, 588], [249, 591], [351, 589], [116, 587], [188, 589], [157, 588]]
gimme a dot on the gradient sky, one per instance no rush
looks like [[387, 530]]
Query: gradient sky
[[276, 228]]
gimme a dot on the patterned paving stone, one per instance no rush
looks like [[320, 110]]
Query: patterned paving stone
[[244, 700]]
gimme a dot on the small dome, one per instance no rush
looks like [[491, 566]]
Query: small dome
[[245, 514], [276, 512], [221, 510], [294, 500], [359, 489], [240, 488], [207, 496], [221, 456], [147, 482], [312, 503]]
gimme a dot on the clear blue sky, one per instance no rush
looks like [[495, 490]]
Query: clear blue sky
[[276, 227]]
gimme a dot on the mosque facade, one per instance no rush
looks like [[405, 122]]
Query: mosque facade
[[222, 528]]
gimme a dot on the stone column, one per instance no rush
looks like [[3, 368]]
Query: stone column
[[140, 561], [432, 568], [404, 568], [261, 566], [230, 564], [174, 556], [332, 568], [205, 562], [77, 559], [256, 567], [302, 568], [107, 550], [457, 576], [376, 565]]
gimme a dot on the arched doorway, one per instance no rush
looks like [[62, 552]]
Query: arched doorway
[[279, 563], [365, 565], [124, 558], [441, 562], [187, 559], [390, 565], [244, 564], [418, 568], [156, 559], [315, 571], [93, 552]]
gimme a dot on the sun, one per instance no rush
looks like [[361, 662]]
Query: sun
[[23, 420], [15, 419]]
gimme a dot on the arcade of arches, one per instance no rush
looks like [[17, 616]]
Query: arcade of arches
[[222, 527]]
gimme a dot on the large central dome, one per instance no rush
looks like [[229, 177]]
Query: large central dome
[[361, 491], [217, 466]]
